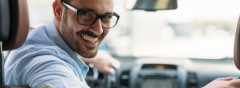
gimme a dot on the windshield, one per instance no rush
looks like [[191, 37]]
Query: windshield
[[196, 29]]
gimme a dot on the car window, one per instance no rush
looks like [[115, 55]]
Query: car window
[[196, 29], [40, 12]]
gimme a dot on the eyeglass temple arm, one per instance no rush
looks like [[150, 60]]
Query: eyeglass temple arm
[[70, 7]]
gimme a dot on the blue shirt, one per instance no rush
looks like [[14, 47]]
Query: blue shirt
[[45, 58]]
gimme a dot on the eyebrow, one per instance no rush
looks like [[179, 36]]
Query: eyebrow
[[97, 13]]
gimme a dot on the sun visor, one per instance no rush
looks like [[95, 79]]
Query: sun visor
[[237, 46]]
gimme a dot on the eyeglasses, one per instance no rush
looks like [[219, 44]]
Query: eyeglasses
[[88, 18]]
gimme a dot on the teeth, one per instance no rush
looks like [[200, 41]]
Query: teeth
[[89, 38]]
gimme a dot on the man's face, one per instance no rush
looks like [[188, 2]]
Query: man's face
[[85, 40]]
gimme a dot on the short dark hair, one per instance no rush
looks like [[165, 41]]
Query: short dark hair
[[66, 1]]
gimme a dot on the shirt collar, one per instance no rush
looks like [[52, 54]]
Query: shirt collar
[[57, 39]]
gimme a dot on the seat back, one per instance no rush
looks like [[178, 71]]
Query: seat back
[[14, 25]]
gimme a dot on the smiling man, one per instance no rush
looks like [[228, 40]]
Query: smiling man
[[48, 55]]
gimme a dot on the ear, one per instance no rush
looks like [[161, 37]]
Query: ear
[[58, 10]]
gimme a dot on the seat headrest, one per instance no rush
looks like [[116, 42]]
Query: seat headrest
[[14, 23], [237, 46]]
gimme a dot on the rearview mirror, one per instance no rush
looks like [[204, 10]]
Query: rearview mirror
[[151, 5]]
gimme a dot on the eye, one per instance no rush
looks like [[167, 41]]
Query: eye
[[86, 17], [109, 16], [87, 13], [106, 19]]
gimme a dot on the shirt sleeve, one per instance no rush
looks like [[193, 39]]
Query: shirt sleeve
[[48, 69]]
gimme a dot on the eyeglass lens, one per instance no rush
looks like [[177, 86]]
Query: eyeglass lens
[[87, 18]]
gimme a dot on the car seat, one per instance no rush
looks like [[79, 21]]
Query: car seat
[[14, 25]]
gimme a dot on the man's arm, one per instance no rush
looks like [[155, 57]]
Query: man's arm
[[52, 71], [229, 82], [103, 61]]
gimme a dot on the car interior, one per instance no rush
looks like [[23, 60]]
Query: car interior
[[135, 71]]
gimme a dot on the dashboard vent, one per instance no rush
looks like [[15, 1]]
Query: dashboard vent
[[124, 78], [192, 80], [159, 66]]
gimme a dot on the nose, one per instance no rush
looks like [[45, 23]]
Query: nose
[[97, 28]]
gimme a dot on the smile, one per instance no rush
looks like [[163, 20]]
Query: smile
[[89, 38]]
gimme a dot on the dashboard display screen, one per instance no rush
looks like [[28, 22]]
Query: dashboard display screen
[[157, 83]]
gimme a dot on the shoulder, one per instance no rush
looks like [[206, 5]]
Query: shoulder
[[52, 70], [46, 63], [42, 69], [33, 65]]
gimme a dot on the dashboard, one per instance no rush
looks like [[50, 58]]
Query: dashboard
[[155, 76], [173, 72]]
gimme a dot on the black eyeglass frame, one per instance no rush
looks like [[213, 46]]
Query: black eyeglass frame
[[97, 15]]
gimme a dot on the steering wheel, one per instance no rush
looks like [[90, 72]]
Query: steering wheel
[[96, 79]]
